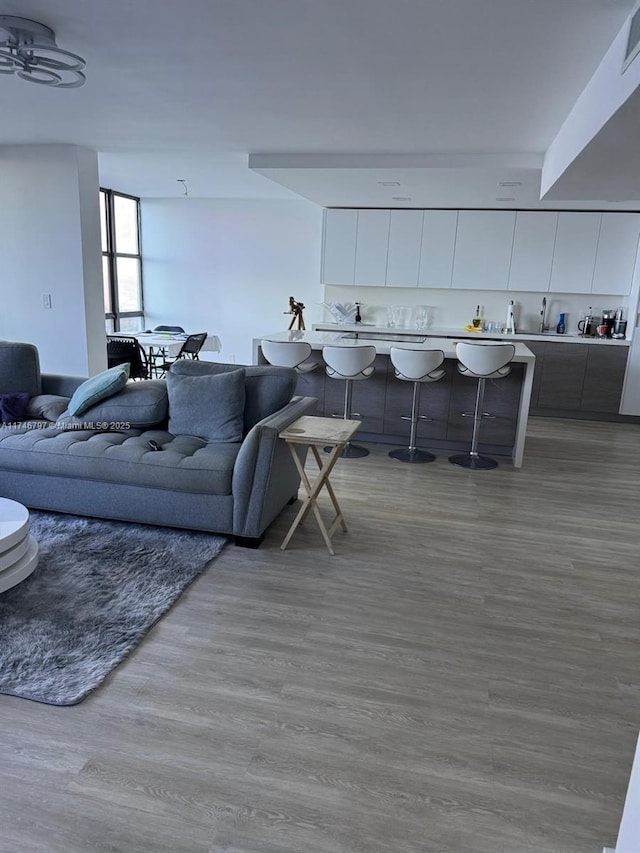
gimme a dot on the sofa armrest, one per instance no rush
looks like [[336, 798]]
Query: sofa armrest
[[265, 477], [61, 386]]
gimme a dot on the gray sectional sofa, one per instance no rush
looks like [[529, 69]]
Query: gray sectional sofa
[[145, 454]]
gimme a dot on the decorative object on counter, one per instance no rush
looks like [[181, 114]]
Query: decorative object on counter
[[481, 362], [358, 317], [510, 328], [417, 366], [477, 319], [341, 313], [470, 328], [561, 326], [296, 308]]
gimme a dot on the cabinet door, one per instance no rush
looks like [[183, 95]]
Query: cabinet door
[[405, 236], [438, 245], [339, 256], [603, 378], [562, 376], [483, 249], [371, 247], [574, 255], [616, 253], [532, 255]]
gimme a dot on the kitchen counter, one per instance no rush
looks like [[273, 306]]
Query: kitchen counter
[[443, 332], [382, 398]]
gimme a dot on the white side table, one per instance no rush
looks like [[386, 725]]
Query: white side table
[[318, 432], [18, 550]]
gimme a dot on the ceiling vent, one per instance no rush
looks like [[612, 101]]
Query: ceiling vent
[[633, 41]]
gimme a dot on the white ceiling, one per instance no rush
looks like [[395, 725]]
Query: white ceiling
[[449, 97]]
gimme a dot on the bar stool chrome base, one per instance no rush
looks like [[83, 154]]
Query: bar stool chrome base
[[351, 451], [473, 461], [406, 454]]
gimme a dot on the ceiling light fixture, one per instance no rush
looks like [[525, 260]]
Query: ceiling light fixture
[[509, 183], [29, 50], [505, 198], [388, 183], [401, 198]]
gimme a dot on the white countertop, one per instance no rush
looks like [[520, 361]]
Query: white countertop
[[318, 339], [435, 332]]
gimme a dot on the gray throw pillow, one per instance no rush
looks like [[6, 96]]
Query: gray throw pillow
[[209, 407], [47, 407], [139, 405]]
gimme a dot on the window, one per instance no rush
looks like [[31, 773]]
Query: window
[[121, 261]]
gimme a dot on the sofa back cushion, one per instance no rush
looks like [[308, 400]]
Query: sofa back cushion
[[210, 406], [267, 388], [139, 405], [19, 369]]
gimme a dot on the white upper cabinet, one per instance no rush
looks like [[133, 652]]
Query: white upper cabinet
[[574, 255], [616, 253], [483, 249], [527, 251], [339, 256], [438, 246], [372, 243], [532, 254], [405, 237]]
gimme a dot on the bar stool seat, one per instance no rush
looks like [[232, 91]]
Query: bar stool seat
[[288, 354], [481, 362], [351, 363], [417, 366]]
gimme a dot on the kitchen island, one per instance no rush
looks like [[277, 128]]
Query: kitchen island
[[384, 401]]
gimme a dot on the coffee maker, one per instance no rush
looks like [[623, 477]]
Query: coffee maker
[[608, 321], [619, 326]]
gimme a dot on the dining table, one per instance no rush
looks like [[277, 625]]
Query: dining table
[[160, 346]]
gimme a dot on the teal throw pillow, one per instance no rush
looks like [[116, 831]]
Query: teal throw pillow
[[98, 388]]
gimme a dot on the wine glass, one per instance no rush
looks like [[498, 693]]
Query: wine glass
[[421, 317]]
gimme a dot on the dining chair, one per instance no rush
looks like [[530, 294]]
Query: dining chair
[[125, 348], [189, 349]]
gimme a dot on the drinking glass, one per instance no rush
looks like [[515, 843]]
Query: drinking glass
[[421, 317]]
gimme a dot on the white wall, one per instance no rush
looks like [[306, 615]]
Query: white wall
[[452, 309], [228, 266], [50, 243]]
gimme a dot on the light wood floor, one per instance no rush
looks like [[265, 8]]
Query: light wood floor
[[462, 677]]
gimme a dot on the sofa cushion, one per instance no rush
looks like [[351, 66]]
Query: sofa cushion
[[13, 407], [267, 389], [138, 404], [185, 464], [209, 406], [98, 388], [47, 407], [19, 368]]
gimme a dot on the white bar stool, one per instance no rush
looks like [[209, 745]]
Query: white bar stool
[[481, 362], [349, 363], [417, 366], [288, 354]]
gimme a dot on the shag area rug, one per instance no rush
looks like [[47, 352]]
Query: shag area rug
[[98, 588]]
